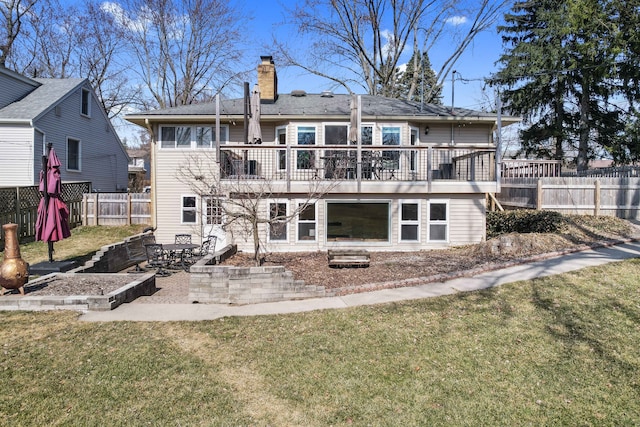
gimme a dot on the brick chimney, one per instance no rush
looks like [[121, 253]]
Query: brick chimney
[[267, 80]]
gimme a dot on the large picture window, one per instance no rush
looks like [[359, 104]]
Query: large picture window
[[366, 221], [438, 221]]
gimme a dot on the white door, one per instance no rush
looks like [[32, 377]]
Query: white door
[[213, 220]]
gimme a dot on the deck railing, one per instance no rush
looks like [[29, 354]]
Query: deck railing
[[370, 163], [531, 168]]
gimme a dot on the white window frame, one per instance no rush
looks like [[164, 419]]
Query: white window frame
[[445, 222], [387, 202], [286, 222], [184, 209], [402, 222], [193, 143], [79, 156], [313, 164], [85, 95], [414, 140], [307, 221], [214, 211], [399, 144], [281, 130]]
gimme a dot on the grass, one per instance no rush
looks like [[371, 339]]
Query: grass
[[561, 350], [82, 244]]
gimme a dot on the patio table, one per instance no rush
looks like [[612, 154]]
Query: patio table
[[180, 250]]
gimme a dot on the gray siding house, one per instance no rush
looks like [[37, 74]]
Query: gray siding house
[[67, 114], [411, 177]]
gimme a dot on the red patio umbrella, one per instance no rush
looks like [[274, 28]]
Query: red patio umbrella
[[52, 223]]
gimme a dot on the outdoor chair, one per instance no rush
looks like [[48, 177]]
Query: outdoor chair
[[157, 258], [182, 239], [136, 253], [208, 247]]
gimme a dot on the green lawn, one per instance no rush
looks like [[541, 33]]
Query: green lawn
[[84, 241], [554, 351]]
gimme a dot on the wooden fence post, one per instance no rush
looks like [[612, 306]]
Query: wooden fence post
[[18, 219], [129, 207], [596, 199], [96, 210], [539, 195]]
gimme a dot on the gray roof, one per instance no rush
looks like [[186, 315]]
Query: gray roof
[[43, 98], [317, 105]]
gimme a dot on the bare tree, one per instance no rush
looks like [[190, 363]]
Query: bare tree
[[245, 202], [361, 42], [183, 50], [13, 14], [99, 47]]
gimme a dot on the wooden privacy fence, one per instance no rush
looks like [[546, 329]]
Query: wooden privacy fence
[[618, 197], [19, 205], [116, 208]]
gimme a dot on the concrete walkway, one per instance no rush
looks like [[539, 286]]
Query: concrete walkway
[[531, 270]]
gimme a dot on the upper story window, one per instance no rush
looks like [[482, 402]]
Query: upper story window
[[281, 139], [335, 134], [191, 136], [73, 155], [85, 103], [366, 135], [391, 136], [305, 159]]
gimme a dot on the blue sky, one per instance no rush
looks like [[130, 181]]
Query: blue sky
[[262, 18], [476, 63]]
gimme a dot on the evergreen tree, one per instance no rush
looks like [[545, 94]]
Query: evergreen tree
[[418, 79], [561, 73]]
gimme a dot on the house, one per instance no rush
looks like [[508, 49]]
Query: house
[[67, 114], [416, 178], [139, 172]]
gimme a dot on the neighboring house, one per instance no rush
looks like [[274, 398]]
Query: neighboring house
[[67, 114], [139, 171], [417, 179]]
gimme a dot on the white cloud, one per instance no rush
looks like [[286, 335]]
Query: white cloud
[[388, 35], [457, 20], [122, 18]]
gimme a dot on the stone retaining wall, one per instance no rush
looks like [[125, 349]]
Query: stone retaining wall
[[210, 283], [112, 258]]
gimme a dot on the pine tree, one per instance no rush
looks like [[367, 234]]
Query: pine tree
[[560, 73], [413, 82]]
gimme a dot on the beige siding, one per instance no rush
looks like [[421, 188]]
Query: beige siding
[[441, 134], [466, 209], [467, 219], [169, 192]]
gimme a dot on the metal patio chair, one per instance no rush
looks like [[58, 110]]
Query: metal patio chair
[[158, 258]]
